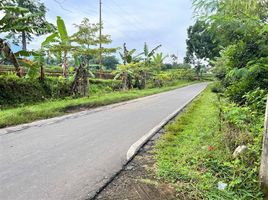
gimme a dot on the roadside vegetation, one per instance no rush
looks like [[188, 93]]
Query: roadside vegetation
[[69, 71], [51, 108], [196, 156], [213, 150]]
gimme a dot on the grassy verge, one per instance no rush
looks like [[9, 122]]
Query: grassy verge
[[193, 156], [50, 109]]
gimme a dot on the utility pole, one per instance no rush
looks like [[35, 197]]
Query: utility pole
[[100, 36]]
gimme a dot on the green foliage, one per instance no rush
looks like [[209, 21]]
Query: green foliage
[[158, 60], [14, 90], [128, 55], [87, 37], [148, 54], [23, 19], [63, 35], [239, 27], [201, 43], [217, 88], [196, 156], [107, 85], [256, 100], [110, 62]]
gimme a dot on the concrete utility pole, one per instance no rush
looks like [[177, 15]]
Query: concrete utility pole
[[100, 36], [264, 157]]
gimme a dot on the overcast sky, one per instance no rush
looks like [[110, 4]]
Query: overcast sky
[[132, 21]]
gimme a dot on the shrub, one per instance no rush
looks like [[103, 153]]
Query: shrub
[[14, 90], [106, 83], [217, 88]]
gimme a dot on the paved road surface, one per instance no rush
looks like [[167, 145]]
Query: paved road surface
[[72, 158]]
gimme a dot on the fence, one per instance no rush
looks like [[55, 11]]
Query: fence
[[264, 157]]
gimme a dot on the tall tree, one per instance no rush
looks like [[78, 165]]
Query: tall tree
[[201, 44], [110, 62], [87, 38], [24, 19], [241, 27]]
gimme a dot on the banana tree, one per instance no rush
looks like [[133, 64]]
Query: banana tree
[[127, 72], [60, 42], [32, 65], [128, 55], [158, 60], [147, 63]]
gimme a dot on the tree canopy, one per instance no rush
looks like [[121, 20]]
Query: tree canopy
[[24, 19]]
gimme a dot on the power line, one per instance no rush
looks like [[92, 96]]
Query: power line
[[101, 20], [135, 26], [61, 6], [127, 13], [110, 24]]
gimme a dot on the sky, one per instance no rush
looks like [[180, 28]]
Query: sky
[[132, 21]]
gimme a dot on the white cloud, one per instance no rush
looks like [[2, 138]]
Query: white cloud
[[133, 21]]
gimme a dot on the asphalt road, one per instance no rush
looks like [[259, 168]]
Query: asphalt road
[[72, 158]]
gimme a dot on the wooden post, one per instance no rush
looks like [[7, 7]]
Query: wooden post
[[264, 157]]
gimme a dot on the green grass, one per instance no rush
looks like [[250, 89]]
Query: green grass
[[193, 156], [48, 109]]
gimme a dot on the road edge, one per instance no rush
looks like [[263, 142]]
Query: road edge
[[134, 148], [44, 122]]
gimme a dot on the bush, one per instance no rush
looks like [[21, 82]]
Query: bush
[[15, 90], [57, 87], [106, 83], [217, 88]]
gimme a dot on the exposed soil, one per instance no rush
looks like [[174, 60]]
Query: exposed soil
[[137, 181]]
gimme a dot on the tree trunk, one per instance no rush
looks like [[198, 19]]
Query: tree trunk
[[144, 80], [4, 47], [80, 85], [42, 73], [65, 65], [24, 42], [125, 81]]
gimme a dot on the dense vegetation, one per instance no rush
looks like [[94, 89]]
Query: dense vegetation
[[231, 38], [199, 172]]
